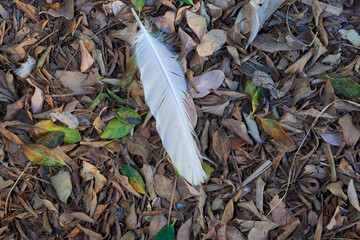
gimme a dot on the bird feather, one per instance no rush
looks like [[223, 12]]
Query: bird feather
[[165, 93]]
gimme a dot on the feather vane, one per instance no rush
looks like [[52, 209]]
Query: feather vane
[[165, 93]]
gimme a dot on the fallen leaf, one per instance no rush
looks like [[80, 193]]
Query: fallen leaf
[[135, 178], [211, 42], [45, 126], [350, 132], [52, 139], [167, 233], [262, 79], [346, 86], [336, 189], [66, 10], [42, 155], [166, 22], [131, 218], [274, 129], [184, 231], [86, 59], [164, 187], [299, 65], [197, 23], [353, 198], [239, 128], [90, 233], [37, 101], [62, 184], [280, 213], [228, 213], [222, 146], [352, 35], [336, 220], [207, 81], [156, 224], [31, 11]]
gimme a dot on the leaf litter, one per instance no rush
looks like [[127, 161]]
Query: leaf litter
[[273, 96]]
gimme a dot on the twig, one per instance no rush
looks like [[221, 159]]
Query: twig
[[12, 188]]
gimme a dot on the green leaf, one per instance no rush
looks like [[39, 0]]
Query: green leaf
[[134, 177], [97, 100], [274, 129], [138, 4], [207, 169], [52, 139], [250, 89], [114, 97], [166, 233], [188, 1], [128, 115], [117, 128], [345, 86], [46, 126], [42, 155], [258, 100]]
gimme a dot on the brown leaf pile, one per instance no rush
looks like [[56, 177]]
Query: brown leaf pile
[[286, 160]]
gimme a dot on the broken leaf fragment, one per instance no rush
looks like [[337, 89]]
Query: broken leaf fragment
[[43, 156], [135, 179], [207, 169], [345, 86], [250, 89], [128, 115], [138, 4], [52, 139], [274, 129], [46, 126]]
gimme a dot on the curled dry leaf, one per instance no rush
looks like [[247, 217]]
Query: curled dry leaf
[[353, 198]]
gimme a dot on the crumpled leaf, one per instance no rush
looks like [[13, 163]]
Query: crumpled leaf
[[135, 179], [62, 184], [46, 126], [346, 86], [207, 81], [274, 129], [211, 42], [42, 155]]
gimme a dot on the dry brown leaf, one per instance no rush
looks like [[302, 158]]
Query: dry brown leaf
[[63, 185], [211, 42], [148, 172], [239, 128], [66, 10], [353, 198], [221, 146], [299, 65], [197, 23], [156, 224], [336, 220], [86, 59], [207, 81], [166, 22], [31, 11], [131, 218], [228, 213], [184, 231], [164, 187], [350, 132], [280, 213]]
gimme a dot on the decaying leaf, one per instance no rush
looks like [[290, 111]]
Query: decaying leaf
[[206, 82], [274, 129], [135, 178]]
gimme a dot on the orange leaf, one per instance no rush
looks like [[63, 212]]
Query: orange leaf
[[274, 129], [30, 11]]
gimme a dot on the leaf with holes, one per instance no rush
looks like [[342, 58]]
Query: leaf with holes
[[274, 129], [135, 179]]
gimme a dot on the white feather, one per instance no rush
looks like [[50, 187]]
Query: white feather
[[165, 93]]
